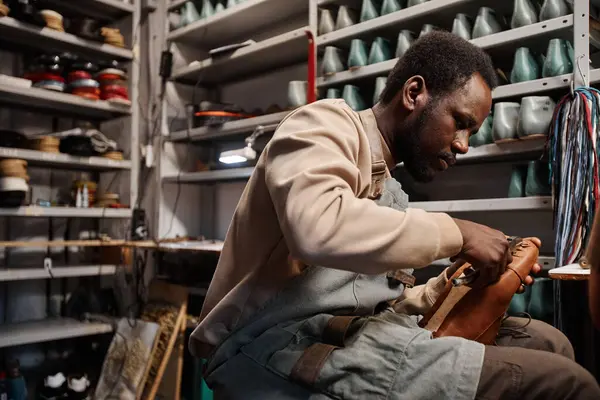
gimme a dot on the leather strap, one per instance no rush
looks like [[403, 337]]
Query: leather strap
[[309, 365], [337, 328], [378, 165], [400, 276]]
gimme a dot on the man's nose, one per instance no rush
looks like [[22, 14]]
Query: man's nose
[[461, 143]]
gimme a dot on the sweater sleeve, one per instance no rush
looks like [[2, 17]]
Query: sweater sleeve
[[313, 177], [419, 299]]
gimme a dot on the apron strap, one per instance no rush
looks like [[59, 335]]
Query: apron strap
[[338, 328], [309, 365], [378, 165]]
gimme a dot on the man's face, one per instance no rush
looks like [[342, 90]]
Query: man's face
[[440, 129]]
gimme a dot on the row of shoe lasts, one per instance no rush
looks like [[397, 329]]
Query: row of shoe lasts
[[350, 93], [189, 12], [510, 121], [525, 12], [59, 387], [529, 180], [13, 182], [559, 60], [27, 11]]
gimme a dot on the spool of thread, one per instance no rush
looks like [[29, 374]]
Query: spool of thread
[[50, 85], [113, 36], [53, 20], [4, 10], [49, 144]]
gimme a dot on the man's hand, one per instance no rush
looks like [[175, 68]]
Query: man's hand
[[486, 249]]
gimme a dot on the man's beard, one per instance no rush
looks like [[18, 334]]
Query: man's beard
[[409, 148]]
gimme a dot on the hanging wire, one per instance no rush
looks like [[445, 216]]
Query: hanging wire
[[573, 150]]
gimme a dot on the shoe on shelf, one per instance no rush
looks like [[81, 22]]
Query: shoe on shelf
[[559, 59], [553, 9], [332, 61], [516, 186], [79, 388], [462, 26], [524, 13], [351, 95], [358, 54], [380, 51], [380, 83], [54, 387], [390, 6], [326, 22], [346, 17], [506, 120], [484, 134], [369, 10], [538, 179], [405, 39], [535, 117], [486, 23], [525, 66]]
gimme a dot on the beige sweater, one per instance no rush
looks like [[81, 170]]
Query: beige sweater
[[306, 200]]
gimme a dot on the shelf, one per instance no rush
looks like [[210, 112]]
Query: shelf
[[503, 152], [100, 9], [64, 161], [65, 212], [175, 4], [246, 17], [517, 90], [525, 36], [200, 246], [437, 12], [229, 128], [20, 274], [17, 32], [210, 176], [542, 203], [276, 52], [16, 334], [50, 101], [571, 272]]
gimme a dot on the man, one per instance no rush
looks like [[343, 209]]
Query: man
[[322, 236]]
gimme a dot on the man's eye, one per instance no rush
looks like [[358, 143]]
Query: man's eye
[[460, 125]]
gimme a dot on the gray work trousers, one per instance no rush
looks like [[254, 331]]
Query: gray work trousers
[[531, 363]]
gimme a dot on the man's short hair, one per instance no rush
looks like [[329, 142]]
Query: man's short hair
[[444, 60]]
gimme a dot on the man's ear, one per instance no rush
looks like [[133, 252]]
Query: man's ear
[[413, 89]]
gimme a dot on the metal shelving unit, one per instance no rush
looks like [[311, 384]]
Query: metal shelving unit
[[210, 176], [529, 36], [542, 203], [276, 52], [21, 274], [21, 333], [229, 128], [244, 18], [64, 161], [63, 103], [65, 212], [17, 32], [19, 37]]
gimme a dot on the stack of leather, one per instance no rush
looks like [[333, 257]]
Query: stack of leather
[[4, 10], [13, 182], [53, 20], [113, 36], [48, 144]]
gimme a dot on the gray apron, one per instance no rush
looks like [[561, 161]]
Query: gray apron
[[330, 334]]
